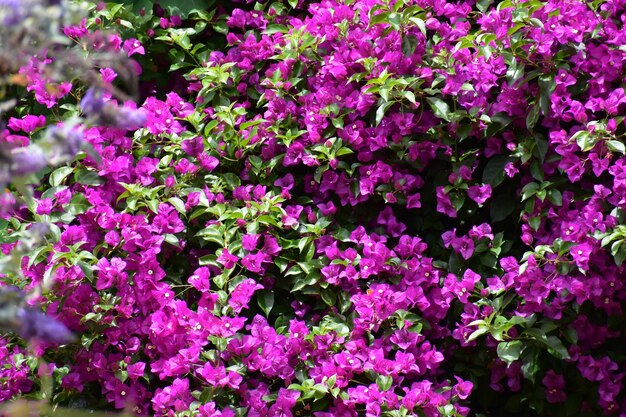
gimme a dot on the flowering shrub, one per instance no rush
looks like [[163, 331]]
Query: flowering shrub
[[329, 209]]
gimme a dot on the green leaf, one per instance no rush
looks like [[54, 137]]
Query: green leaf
[[59, 174], [380, 112], [535, 222], [409, 96], [536, 170], [281, 263], [394, 20], [265, 300], [4, 233], [207, 260], [152, 204], [541, 144], [178, 204], [212, 234], [616, 146], [177, 58], [498, 122], [78, 204], [34, 256], [476, 333], [379, 18], [172, 239], [221, 27], [555, 197], [584, 140], [419, 23], [409, 43], [183, 8], [384, 382], [275, 28], [502, 206], [483, 5], [546, 87], [509, 352], [530, 364], [620, 255], [556, 347], [529, 190], [302, 243], [553, 343], [86, 268], [532, 117], [439, 107], [88, 177], [493, 174], [329, 297]]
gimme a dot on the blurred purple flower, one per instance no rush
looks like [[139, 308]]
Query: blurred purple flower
[[130, 119], [63, 142], [25, 161], [92, 102], [34, 324], [13, 11]]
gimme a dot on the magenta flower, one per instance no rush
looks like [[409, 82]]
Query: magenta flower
[[167, 220], [179, 106], [133, 46], [117, 392], [595, 370], [176, 396], [253, 262], [110, 273], [555, 386], [108, 75], [200, 279], [243, 292], [145, 168], [580, 254], [194, 147], [292, 213], [270, 245], [208, 162], [227, 259], [73, 235], [444, 205], [27, 124], [479, 193], [510, 170], [44, 206], [218, 376], [136, 370], [327, 209], [463, 245], [250, 242], [284, 403], [463, 388], [413, 201], [47, 95]]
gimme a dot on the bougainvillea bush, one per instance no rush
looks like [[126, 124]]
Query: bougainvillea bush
[[352, 208]]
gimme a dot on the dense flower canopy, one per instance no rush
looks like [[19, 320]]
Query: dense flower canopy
[[336, 208]]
